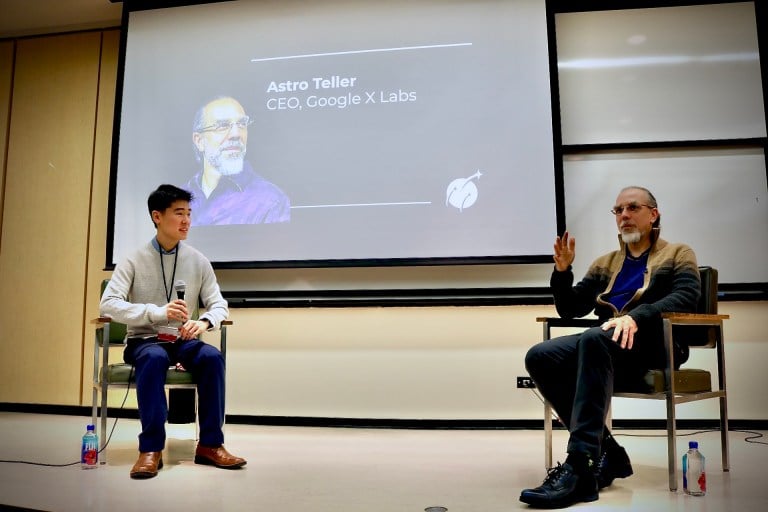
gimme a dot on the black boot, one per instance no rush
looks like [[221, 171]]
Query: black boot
[[565, 484], [613, 463]]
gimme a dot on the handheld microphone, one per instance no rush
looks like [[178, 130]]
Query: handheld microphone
[[181, 288]]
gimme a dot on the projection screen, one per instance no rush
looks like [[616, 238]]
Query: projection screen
[[341, 132]]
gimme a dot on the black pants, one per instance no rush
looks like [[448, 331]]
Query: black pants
[[577, 374]]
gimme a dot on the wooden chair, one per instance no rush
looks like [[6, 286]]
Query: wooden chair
[[703, 329]]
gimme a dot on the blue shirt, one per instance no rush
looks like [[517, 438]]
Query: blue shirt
[[629, 280]]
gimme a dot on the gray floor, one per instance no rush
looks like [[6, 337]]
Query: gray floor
[[345, 470]]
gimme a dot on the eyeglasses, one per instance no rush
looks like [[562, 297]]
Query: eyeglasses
[[631, 208], [224, 125]]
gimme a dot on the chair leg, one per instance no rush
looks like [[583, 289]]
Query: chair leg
[[94, 405], [547, 435], [103, 430], [671, 442], [197, 416], [724, 433]]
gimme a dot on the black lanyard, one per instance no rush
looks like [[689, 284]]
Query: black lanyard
[[173, 275]]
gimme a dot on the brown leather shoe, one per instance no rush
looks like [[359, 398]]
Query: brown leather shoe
[[218, 457], [147, 465]]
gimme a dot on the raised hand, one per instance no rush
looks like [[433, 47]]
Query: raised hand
[[565, 252]]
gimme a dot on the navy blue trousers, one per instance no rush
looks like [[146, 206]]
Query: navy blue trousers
[[151, 361], [577, 374]]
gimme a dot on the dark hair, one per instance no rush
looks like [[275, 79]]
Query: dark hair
[[651, 202], [164, 196]]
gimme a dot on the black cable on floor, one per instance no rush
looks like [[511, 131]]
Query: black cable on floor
[[109, 438], [750, 439], [755, 435]]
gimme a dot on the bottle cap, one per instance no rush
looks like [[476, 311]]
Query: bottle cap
[[90, 427], [693, 444]]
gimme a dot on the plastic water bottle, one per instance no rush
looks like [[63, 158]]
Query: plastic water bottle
[[694, 476], [89, 451]]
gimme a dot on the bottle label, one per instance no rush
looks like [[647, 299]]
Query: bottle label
[[703, 482], [89, 454], [685, 472]]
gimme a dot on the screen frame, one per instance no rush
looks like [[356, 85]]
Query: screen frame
[[131, 6]]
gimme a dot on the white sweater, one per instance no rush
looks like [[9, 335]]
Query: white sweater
[[136, 296]]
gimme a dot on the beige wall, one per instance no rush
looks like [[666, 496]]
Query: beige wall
[[46, 206], [438, 362]]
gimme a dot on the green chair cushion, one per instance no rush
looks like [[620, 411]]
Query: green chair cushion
[[687, 380]]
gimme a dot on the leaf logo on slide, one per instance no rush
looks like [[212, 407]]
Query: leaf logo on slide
[[462, 192]]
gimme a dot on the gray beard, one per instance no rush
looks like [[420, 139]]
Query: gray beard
[[227, 166], [231, 166], [631, 238]]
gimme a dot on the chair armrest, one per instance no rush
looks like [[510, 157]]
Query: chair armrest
[[674, 318], [556, 321], [697, 330], [694, 318], [107, 319]]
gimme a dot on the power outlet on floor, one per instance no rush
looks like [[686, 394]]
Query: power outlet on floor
[[525, 383]]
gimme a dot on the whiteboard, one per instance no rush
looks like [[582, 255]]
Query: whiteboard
[[715, 200], [662, 74]]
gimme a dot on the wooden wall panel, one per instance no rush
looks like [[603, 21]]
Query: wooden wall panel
[[46, 218], [6, 77]]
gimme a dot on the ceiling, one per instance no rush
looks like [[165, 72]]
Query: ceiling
[[33, 17]]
